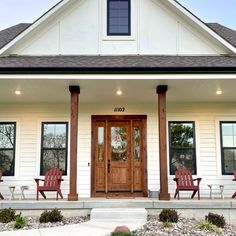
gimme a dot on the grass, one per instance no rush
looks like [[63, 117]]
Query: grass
[[204, 225]]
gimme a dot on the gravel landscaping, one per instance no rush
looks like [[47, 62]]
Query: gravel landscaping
[[152, 228], [33, 223], [184, 227]]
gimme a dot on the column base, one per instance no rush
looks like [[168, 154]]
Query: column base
[[73, 197], [164, 196]]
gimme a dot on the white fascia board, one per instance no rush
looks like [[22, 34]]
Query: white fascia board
[[35, 24], [118, 77], [202, 25]]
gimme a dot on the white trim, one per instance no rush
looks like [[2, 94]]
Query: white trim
[[133, 18], [203, 26], [38, 22], [119, 77]]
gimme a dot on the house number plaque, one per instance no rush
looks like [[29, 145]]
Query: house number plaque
[[119, 109]]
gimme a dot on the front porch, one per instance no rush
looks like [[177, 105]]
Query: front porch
[[189, 208]]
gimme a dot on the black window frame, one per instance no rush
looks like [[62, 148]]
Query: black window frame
[[14, 147], [42, 148], [222, 148], [129, 19], [186, 148]]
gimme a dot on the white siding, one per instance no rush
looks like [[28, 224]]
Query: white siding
[[80, 29], [29, 118]]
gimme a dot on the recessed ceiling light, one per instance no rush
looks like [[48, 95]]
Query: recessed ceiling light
[[18, 92], [219, 92], [119, 92]]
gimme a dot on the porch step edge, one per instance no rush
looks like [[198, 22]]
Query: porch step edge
[[119, 213]]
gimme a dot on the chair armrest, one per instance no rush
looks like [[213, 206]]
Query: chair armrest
[[37, 181], [176, 180], [198, 180], [1, 180], [234, 179]]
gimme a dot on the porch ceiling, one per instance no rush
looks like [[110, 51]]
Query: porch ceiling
[[104, 91]]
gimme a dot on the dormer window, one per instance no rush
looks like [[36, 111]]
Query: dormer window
[[118, 17]]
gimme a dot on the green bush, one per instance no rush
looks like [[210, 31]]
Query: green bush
[[169, 215], [216, 219], [167, 224], [50, 216], [7, 215], [207, 226], [121, 234], [20, 222]]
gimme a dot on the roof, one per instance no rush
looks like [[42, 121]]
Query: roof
[[87, 64], [7, 35], [224, 32]]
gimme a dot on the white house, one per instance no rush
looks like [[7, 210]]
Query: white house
[[118, 94]]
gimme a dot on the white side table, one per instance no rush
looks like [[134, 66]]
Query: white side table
[[221, 187], [12, 190], [22, 189]]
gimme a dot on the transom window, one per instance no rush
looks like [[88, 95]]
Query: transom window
[[228, 147], [118, 17], [7, 148], [182, 146], [54, 146]]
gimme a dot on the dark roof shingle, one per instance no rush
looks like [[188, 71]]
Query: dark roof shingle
[[224, 32], [94, 63], [7, 35]]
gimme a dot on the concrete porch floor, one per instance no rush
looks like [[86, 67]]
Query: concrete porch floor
[[190, 208]]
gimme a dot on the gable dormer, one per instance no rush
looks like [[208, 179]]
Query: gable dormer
[[118, 27]]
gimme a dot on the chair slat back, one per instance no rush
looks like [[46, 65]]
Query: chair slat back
[[51, 177], [235, 174], [184, 177], [0, 174]]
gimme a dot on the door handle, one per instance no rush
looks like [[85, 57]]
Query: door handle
[[108, 166]]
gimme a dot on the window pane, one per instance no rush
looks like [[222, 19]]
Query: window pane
[[182, 157], [54, 136], [181, 134], [118, 17], [7, 135], [227, 129], [228, 141], [229, 161], [136, 144], [7, 162], [54, 158], [100, 143], [119, 144]]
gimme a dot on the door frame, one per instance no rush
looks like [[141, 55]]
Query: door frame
[[143, 119]]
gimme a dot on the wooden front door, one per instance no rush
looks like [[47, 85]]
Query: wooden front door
[[119, 155]]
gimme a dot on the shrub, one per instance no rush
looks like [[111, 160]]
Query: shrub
[[50, 216], [121, 234], [206, 226], [20, 222], [216, 219], [121, 231], [167, 224], [169, 215], [7, 215]]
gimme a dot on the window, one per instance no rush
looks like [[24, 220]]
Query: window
[[182, 146], [54, 146], [228, 147], [7, 148], [118, 17]]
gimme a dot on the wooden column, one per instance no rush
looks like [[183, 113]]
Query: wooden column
[[74, 104], [161, 91]]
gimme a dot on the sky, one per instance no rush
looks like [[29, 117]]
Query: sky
[[13, 12]]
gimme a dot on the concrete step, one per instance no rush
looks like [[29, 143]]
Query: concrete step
[[119, 214]]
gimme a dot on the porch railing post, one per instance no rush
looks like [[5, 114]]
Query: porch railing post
[[74, 104], [161, 91]]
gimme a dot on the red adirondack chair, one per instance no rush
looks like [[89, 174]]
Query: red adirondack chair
[[52, 182], [234, 195], [1, 197], [185, 182]]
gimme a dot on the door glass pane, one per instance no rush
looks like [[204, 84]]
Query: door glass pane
[[136, 144], [119, 144], [100, 144]]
